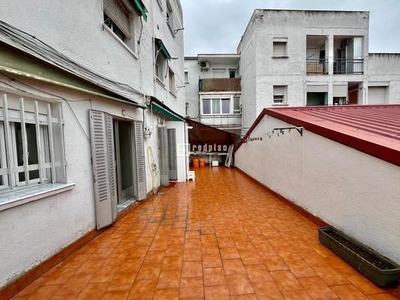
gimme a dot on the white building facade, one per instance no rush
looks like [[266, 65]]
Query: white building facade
[[213, 90], [90, 119], [298, 58]]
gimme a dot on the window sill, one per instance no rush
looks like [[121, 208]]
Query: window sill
[[280, 57], [37, 192], [159, 81], [219, 115], [280, 104], [172, 94], [105, 28]]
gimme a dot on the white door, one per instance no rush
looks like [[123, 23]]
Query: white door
[[103, 164]]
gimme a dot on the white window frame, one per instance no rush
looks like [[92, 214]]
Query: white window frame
[[44, 123], [3, 161], [277, 44], [279, 95], [172, 85], [186, 74], [160, 65], [219, 110], [170, 16], [237, 110], [114, 25]]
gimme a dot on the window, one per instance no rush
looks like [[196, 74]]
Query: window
[[114, 28], [236, 105], [280, 47], [219, 73], [186, 108], [117, 18], [232, 73], [279, 94], [160, 63], [225, 106], [31, 143], [170, 18], [206, 106], [186, 77], [216, 106], [172, 86]]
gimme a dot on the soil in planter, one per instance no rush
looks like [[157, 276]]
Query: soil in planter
[[364, 254]]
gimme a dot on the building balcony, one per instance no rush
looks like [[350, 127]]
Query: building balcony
[[219, 85], [340, 66], [348, 66], [317, 66]]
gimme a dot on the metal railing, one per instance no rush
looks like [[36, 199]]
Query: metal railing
[[317, 66], [348, 66]]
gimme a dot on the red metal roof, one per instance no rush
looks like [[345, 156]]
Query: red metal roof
[[373, 129]]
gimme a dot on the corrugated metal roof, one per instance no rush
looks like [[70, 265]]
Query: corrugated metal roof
[[373, 129], [31, 45], [382, 120]]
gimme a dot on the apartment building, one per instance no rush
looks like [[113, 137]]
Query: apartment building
[[90, 120], [299, 58], [213, 90], [294, 58]]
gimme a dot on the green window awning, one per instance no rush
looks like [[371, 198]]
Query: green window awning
[[167, 114], [163, 49], [140, 8]]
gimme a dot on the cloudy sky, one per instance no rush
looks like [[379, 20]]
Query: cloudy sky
[[215, 26]]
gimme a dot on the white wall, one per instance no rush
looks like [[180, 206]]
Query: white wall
[[75, 29], [180, 149], [33, 232], [175, 46], [192, 88], [260, 71], [385, 68], [348, 189]]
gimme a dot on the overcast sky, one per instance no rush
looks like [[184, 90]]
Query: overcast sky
[[216, 26]]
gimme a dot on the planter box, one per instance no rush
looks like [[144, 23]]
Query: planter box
[[377, 268]]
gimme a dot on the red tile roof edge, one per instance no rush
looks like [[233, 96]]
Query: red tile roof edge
[[374, 148]]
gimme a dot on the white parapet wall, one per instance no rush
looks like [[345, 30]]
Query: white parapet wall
[[351, 190]]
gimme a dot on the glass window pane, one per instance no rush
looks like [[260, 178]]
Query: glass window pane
[[206, 106], [236, 103], [32, 149], [216, 106], [226, 106]]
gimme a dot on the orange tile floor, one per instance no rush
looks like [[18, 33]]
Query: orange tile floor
[[220, 237]]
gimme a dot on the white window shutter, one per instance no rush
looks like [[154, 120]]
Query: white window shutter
[[140, 161], [163, 150], [112, 167], [103, 163]]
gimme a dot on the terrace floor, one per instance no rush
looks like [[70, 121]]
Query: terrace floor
[[220, 237]]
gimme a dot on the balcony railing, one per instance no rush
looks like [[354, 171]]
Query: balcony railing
[[219, 85], [348, 66], [317, 66]]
